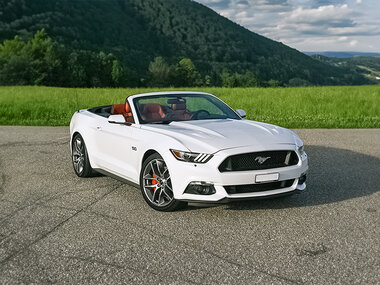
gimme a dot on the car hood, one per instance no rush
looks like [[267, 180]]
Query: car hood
[[210, 136]]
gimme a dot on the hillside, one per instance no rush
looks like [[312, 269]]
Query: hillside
[[368, 66], [137, 31], [342, 54]]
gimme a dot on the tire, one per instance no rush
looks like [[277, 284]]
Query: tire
[[79, 157], [156, 186]]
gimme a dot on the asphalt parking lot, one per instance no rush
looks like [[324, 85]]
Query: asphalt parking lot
[[58, 228]]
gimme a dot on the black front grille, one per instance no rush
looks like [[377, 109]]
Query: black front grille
[[259, 160], [248, 188]]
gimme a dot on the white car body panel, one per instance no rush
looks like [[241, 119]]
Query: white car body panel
[[119, 150]]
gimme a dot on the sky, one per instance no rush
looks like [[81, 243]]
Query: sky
[[308, 25]]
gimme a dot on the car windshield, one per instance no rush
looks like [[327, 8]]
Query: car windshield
[[164, 109]]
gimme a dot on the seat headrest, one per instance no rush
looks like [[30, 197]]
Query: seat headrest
[[127, 108], [118, 109], [179, 106], [123, 109], [152, 108]]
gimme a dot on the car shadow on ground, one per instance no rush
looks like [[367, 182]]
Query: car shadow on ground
[[334, 175]]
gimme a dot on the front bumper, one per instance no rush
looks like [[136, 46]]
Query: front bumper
[[183, 173]]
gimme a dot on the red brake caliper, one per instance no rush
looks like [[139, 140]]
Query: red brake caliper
[[154, 182]]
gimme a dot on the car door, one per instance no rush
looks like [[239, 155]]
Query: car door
[[114, 144]]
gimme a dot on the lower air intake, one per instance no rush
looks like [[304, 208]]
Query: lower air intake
[[249, 188]]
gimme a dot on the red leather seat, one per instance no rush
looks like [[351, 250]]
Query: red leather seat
[[152, 113], [123, 109], [180, 112], [179, 106]]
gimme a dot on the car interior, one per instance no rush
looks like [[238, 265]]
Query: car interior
[[115, 109], [150, 112]]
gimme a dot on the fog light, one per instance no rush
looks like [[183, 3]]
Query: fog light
[[302, 179], [200, 188]]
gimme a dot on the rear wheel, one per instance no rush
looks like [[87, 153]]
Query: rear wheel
[[80, 160], [156, 185]]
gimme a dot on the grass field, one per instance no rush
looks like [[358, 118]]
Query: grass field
[[306, 107]]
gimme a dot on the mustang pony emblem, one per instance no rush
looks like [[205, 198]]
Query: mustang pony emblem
[[261, 159]]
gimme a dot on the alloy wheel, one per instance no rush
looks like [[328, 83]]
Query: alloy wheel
[[78, 155], [157, 183]]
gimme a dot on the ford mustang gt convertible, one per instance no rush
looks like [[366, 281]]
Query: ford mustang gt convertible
[[187, 146]]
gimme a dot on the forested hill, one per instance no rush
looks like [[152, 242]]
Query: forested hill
[[137, 31], [368, 66]]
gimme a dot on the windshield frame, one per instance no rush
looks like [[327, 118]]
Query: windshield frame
[[232, 116]]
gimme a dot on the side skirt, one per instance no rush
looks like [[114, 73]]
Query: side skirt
[[109, 174]]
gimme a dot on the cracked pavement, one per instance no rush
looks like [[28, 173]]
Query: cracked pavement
[[58, 228]]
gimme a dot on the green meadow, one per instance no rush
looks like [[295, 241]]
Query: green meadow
[[302, 107]]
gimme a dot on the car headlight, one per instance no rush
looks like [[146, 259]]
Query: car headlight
[[299, 143], [191, 156]]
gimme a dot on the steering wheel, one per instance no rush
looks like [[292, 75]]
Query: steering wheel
[[200, 114]]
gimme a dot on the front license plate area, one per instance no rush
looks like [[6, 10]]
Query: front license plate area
[[260, 178]]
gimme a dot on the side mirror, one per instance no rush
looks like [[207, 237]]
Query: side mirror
[[241, 113], [116, 119]]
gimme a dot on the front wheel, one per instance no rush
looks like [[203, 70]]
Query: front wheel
[[156, 185]]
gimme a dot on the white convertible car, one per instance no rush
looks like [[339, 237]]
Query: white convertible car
[[187, 146]]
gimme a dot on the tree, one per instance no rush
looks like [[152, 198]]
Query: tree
[[15, 71], [76, 74], [207, 80], [228, 80], [298, 82], [160, 73], [117, 73], [41, 61], [247, 79], [14, 66], [187, 74], [35, 62], [45, 60], [273, 83]]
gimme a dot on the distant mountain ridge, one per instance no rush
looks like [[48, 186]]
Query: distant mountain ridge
[[341, 54], [137, 31], [368, 66]]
